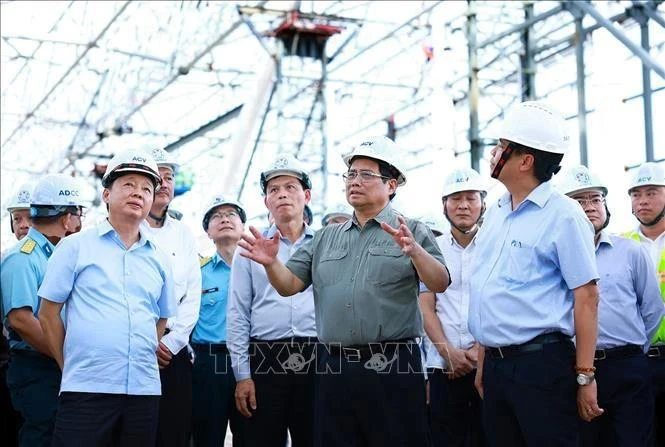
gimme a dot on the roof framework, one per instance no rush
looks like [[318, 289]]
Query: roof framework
[[204, 80]]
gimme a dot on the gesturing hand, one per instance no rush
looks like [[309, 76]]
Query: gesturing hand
[[258, 248], [402, 236]]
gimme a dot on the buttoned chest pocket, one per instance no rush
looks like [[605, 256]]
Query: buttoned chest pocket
[[388, 265], [210, 296], [331, 266], [521, 261]]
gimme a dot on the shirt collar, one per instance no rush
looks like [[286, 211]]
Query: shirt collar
[[385, 215], [605, 239], [104, 227], [273, 229], [216, 258], [539, 196], [449, 237], [40, 239]]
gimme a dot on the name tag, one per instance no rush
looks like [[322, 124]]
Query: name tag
[[211, 290]]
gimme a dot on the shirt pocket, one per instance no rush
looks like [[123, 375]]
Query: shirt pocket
[[610, 285], [388, 265], [521, 260], [331, 266]]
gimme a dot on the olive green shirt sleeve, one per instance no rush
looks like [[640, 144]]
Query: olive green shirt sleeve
[[300, 263]]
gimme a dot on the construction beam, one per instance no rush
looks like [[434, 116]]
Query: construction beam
[[637, 50], [91, 45], [520, 26], [201, 131]]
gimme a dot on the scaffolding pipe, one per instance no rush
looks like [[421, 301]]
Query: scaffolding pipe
[[646, 89], [581, 88], [474, 91], [527, 61]]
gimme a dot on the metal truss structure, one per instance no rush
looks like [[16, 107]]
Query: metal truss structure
[[213, 82]]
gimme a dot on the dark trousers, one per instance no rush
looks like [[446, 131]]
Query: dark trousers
[[624, 392], [530, 399], [175, 404], [657, 370], [283, 375], [455, 410], [213, 390], [100, 419], [375, 400], [33, 380], [10, 421]]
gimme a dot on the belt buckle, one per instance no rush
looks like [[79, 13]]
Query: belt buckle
[[654, 351], [602, 356], [351, 354], [500, 352]]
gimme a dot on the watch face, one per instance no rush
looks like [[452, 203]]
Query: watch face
[[583, 379]]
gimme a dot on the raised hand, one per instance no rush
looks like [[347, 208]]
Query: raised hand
[[259, 249], [402, 236]]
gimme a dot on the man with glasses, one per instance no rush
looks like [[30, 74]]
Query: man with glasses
[[365, 275], [118, 288], [647, 197], [629, 312], [177, 241], [272, 339], [213, 385], [33, 376]]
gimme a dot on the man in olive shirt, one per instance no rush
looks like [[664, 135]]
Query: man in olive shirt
[[365, 275]]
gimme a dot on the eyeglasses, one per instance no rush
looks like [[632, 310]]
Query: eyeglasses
[[364, 176], [594, 201], [228, 215]]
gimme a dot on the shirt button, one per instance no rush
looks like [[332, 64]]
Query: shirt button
[[352, 278], [348, 305], [127, 273]]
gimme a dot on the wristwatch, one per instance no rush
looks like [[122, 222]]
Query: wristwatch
[[584, 379]]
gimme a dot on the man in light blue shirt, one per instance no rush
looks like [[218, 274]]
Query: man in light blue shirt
[[119, 292], [629, 313], [213, 384], [33, 376], [267, 331], [534, 267]]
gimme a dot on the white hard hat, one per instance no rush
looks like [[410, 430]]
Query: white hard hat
[[54, 194], [648, 174], [219, 201], [535, 125], [20, 200], [129, 161], [464, 179], [578, 179], [164, 159], [285, 165], [379, 148], [336, 210]]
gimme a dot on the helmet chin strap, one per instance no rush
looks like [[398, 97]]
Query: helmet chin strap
[[505, 155], [652, 222], [473, 227]]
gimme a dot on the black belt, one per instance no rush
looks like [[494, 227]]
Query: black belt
[[620, 352], [355, 353], [530, 346], [212, 348], [288, 341], [656, 351]]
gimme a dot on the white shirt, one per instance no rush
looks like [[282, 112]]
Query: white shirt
[[655, 247], [452, 306], [178, 242]]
